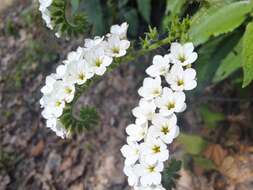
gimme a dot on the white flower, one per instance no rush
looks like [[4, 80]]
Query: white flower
[[68, 91], [48, 88], [131, 152], [98, 60], [180, 79], [160, 66], [81, 65], [171, 102], [137, 131], [44, 4], [92, 43], [78, 72], [152, 187], [145, 110], [56, 126], [117, 47], [60, 71], [75, 56], [182, 54], [119, 30], [149, 173], [54, 108], [151, 88], [132, 174], [154, 150], [164, 127]]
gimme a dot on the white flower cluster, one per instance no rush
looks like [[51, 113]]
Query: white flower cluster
[[156, 123], [81, 65], [44, 5]]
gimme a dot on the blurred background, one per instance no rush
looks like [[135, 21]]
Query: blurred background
[[215, 145]]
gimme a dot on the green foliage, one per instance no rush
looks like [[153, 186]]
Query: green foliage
[[193, 144], [95, 16], [211, 56], [65, 26], [217, 21], [131, 16], [75, 5], [229, 64], [150, 37], [87, 118], [178, 30], [210, 118], [174, 8], [170, 174], [144, 7], [247, 55], [204, 162]]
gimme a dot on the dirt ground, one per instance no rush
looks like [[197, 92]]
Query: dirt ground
[[32, 157]]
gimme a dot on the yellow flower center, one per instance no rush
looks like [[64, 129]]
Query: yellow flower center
[[156, 149], [115, 50], [81, 76], [181, 58], [171, 105], [98, 62], [58, 103], [151, 169], [180, 82], [156, 92], [68, 90], [165, 130]]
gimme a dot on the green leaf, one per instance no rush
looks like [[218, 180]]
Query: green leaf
[[247, 55], [173, 8], [204, 162], [144, 7], [210, 118], [229, 64], [74, 5], [217, 21], [211, 55], [193, 144], [88, 118], [131, 17], [76, 24], [94, 14], [170, 174]]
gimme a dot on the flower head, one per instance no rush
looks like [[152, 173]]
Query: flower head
[[160, 66], [151, 88], [145, 110], [180, 79], [98, 60], [171, 102], [164, 127], [154, 150], [182, 54], [137, 131], [150, 174], [116, 47], [131, 152], [119, 30], [132, 174]]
